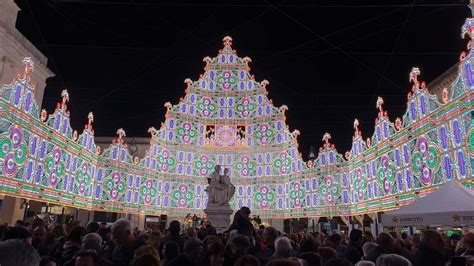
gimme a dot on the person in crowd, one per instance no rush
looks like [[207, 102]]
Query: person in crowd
[[86, 258], [170, 251], [270, 234], [215, 254], [242, 222], [402, 250], [311, 258], [92, 227], [353, 252], [56, 240], [338, 262], [469, 244], [334, 241], [247, 260], [191, 256], [310, 244], [18, 252], [209, 240], [126, 242], [146, 250], [392, 260], [282, 248], [385, 245], [154, 239], [92, 241], [146, 260], [295, 241], [72, 245], [173, 235], [326, 254], [364, 263], [429, 252], [108, 244], [18, 232], [47, 261], [39, 240], [190, 233], [283, 262], [367, 248], [237, 248]]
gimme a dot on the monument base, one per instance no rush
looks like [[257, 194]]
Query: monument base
[[219, 216]]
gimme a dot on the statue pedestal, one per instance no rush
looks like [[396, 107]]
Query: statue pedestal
[[219, 216]]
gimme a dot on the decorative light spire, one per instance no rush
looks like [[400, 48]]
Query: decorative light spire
[[121, 134], [90, 120], [227, 41], [153, 131], [65, 99], [413, 77], [29, 65], [356, 127], [379, 105], [326, 138]]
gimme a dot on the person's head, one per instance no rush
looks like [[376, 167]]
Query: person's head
[[334, 240], [146, 250], [86, 258], [356, 237], [190, 232], [37, 222], [392, 260], [59, 230], [283, 262], [208, 240], [469, 241], [217, 168], [309, 245], [385, 241], [39, 236], [146, 260], [122, 231], [76, 234], [170, 250], [270, 234], [367, 248], [47, 261], [18, 232], [92, 241], [92, 227], [431, 239], [365, 263], [311, 258], [175, 227], [244, 212], [283, 247], [103, 225], [226, 171], [239, 245], [192, 248], [18, 252], [247, 260], [215, 253], [326, 254], [338, 262], [19, 223]]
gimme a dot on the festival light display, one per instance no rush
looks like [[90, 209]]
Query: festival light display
[[226, 118]]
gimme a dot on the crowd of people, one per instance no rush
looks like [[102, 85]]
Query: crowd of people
[[241, 245]]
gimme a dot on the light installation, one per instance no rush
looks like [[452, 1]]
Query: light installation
[[226, 118]]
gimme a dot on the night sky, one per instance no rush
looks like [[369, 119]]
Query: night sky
[[327, 61]]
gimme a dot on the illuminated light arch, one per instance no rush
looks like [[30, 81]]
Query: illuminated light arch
[[226, 118]]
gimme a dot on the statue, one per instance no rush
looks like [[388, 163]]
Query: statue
[[220, 189]]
